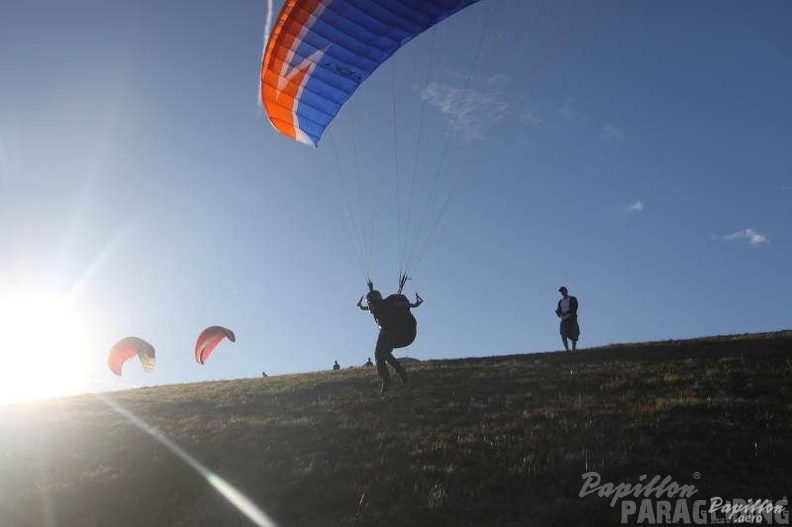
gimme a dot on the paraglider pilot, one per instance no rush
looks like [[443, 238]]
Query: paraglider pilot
[[397, 328]]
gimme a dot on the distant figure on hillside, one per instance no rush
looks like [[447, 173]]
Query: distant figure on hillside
[[263, 374], [336, 366], [397, 326], [567, 312], [368, 362]]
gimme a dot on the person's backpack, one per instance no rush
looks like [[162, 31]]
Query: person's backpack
[[403, 327]]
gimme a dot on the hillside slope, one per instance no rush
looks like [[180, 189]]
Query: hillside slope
[[489, 441]]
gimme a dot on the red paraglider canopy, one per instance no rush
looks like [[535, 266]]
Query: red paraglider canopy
[[128, 347], [208, 341]]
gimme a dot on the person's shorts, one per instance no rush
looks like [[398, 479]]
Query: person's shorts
[[570, 329]]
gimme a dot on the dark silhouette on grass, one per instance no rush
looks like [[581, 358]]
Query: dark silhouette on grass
[[567, 312], [397, 328]]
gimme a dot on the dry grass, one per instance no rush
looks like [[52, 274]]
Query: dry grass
[[488, 441]]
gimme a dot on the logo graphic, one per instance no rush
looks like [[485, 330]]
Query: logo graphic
[[661, 500], [344, 71]]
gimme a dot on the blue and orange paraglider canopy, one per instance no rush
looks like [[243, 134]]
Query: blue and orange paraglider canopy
[[320, 51]]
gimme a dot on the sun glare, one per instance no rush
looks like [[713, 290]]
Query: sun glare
[[43, 349]]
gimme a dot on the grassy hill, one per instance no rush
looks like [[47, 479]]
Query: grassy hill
[[488, 441]]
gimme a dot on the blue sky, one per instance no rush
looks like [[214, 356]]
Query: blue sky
[[636, 152]]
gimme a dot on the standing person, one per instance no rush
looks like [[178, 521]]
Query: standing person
[[567, 312], [397, 329], [336, 366]]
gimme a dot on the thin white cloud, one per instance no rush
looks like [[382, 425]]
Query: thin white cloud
[[525, 140], [568, 111], [611, 133], [750, 235], [469, 112], [499, 80], [528, 117], [638, 206]]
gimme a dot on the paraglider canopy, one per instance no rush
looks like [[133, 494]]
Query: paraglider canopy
[[320, 51], [128, 347], [318, 54], [208, 341]]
